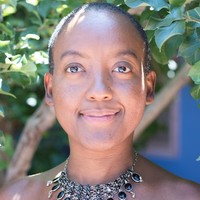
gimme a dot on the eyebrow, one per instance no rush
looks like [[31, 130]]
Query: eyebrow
[[128, 52], [71, 53]]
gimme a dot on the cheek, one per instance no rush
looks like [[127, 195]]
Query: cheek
[[133, 96], [66, 98], [133, 90], [66, 104]]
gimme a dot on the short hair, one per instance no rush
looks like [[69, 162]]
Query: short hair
[[99, 7]]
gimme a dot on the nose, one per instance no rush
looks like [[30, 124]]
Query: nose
[[100, 89]]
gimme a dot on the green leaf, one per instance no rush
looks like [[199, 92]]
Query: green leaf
[[190, 49], [42, 69], [31, 36], [74, 4], [165, 33], [194, 73], [116, 2], [150, 35], [152, 23], [45, 7], [6, 93], [2, 139], [171, 46], [191, 4], [8, 10], [159, 56], [177, 2], [154, 20], [194, 15], [195, 92], [8, 151], [32, 10], [10, 2], [110, 1], [4, 67], [1, 111], [176, 13], [5, 29], [29, 69], [157, 5], [4, 45], [18, 63], [33, 2], [29, 7]]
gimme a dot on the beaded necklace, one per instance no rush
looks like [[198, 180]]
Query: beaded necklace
[[70, 190]]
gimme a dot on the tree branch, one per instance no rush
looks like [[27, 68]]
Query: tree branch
[[37, 124]]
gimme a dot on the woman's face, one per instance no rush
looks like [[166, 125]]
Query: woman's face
[[98, 87]]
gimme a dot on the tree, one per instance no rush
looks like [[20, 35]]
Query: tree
[[173, 30]]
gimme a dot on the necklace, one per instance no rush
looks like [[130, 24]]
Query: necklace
[[70, 190]]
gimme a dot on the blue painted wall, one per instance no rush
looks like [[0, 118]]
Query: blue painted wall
[[185, 164]]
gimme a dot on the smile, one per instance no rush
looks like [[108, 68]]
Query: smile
[[99, 115]]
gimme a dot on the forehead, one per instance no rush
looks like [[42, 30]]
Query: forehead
[[100, 29]]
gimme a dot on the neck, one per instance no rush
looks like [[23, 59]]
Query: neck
[[91, 167]]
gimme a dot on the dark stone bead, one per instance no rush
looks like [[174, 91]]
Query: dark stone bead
[[60, 195], [55, 180], [136, 177], [63, 173], [122, 195], [128, 187], [110, 198], [55, 187], [67, 198]]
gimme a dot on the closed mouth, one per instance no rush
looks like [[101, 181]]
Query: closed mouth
[[99, 115]]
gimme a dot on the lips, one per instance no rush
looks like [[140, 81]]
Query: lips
[[95, 115]]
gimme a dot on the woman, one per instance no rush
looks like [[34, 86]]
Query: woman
[[99, 84]]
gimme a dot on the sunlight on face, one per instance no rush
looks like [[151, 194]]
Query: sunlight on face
[[142, 76], [76, 20], [16, 197]]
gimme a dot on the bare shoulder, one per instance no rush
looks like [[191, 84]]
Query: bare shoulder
[[178, 188], [30, 187], [187, 189], [23, 188], [164, 185]]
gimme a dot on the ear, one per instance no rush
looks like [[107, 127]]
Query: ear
[[48, 89], [150, 84]]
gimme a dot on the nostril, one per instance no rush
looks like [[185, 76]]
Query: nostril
[[99, 95], [106, 97]]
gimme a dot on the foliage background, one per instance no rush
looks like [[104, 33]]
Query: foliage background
[[173, 29]]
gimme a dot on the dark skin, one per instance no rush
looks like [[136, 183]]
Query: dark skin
[[99, 91]]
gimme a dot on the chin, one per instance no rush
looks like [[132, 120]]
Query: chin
[[100, 145], [99, 148]]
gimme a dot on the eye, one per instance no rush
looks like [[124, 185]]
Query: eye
[[74, 68], [122, 68]]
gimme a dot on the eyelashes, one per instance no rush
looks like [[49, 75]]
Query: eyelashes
[[74, 68], [121, 67]]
